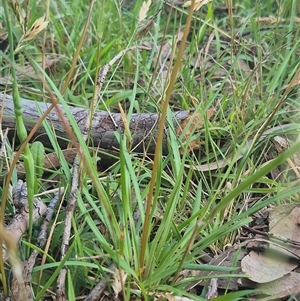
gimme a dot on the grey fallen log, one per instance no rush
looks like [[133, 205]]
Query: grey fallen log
[[143, 127]]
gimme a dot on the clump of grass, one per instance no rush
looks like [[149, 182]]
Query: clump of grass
[[144, 221]]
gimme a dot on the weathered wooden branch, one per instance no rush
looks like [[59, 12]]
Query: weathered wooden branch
[[19, 224], [21, 284], [143, 127]]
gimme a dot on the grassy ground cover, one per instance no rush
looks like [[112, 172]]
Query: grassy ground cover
[[141, 223]]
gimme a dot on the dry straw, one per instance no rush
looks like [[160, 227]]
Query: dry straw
[[144, 25], [198, 4], [37, 27]]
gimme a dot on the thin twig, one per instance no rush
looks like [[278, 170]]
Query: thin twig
[[273, 237]]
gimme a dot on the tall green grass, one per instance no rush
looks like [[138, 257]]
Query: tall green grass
[[189, 211]]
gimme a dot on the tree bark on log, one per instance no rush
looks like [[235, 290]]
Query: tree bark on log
[[143, 127]]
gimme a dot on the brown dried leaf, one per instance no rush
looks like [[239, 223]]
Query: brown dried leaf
[[289, 228], [29, 72], [192, 124], [278, 213], [262, 268], [281, 144], [282, 287], [275, 262]]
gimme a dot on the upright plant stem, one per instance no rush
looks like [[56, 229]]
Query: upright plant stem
[[158, 148], [74, 62], [21, 129]]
